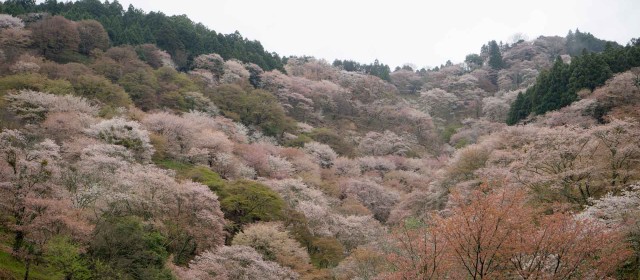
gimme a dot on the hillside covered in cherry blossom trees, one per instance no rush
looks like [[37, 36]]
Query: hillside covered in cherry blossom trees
[[207, 157]]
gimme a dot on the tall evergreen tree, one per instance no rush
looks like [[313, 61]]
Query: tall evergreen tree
[[520, 109], [495, 57]]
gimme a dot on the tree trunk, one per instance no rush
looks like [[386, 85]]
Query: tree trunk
[[26, 270], [18, 240]]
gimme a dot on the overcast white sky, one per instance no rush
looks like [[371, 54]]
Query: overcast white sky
[[425, 33]]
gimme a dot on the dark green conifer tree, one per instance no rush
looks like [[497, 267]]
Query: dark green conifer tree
[[495, 57]]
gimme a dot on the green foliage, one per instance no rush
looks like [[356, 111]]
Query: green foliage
[[495, 57], [100, 88], [141, 86], [297, 225], [178, 35], [243, 201], [474, 59], [171, 86], [15, 7], [248, 202], [198, 173], [326, 252], [558, 87], [161, 88], [579, 41], [377, 69], [35, 82], [520, 109], [253, 108], [589, 71], [449, 131], [298, 141], [127, 249], [12, 268], [412, 223], [181, 168], [64, 256], [202, 174]]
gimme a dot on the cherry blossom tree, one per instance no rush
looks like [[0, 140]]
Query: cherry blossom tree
[[8, 21], [26, 172], [234, 262], [129, 134], [12, 42], [558, 165], [619, 147], [495, 109], [234, 72], [37, 207], [188, 213], [382, 144], [439, 103], [209, 68], [346, 167], [274, 244], [63, 126], [563, 248], [353, 231], [25, 64], [321, 153], [372, 195], [620, 94], [208, 145], [294, 191], [33, 106], [614, 210], [279, 168], [406, 81], [311, 68], [381, 165]]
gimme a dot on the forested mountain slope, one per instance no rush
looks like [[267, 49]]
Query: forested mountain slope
[[125, 159], [178, 35]]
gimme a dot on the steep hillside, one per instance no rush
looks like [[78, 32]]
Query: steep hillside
[[559, 86], [125, 159]]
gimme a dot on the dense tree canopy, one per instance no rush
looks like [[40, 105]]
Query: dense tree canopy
[[178, 35], [558, 86], [131, 151], [377, 69]]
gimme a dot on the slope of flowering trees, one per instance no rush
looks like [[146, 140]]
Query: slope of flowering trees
[[126, 163]]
